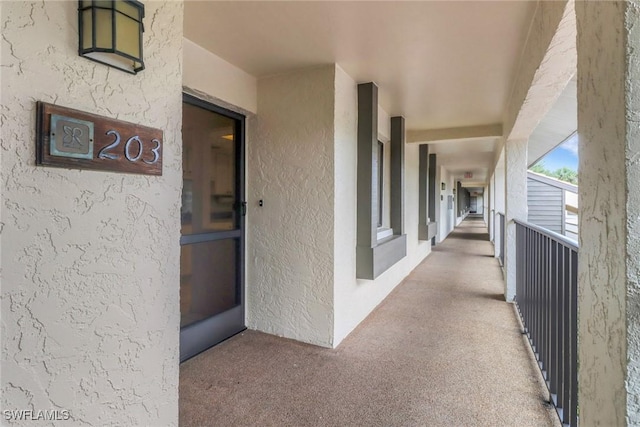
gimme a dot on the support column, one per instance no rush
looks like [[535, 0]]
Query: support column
[[499, 198], [433, 194], [515, 206], [486, 203], [492, 205], [609, 255]]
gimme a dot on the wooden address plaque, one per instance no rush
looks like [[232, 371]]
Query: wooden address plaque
[[74, 139]]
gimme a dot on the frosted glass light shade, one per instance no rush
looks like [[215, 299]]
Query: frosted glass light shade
[[110, 32]]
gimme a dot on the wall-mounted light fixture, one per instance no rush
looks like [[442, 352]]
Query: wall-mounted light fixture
[[111, 33]]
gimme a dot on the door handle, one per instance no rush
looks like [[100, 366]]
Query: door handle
[[243, 208]]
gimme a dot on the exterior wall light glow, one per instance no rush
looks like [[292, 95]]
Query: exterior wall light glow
[[111, 33]]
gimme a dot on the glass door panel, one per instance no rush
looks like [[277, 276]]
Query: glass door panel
[[209, 172], [207, 280], [212, 242]]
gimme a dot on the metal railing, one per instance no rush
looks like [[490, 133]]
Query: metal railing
[[547, 301], [501, 237]]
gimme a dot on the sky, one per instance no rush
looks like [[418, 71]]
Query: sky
[[566, 154]]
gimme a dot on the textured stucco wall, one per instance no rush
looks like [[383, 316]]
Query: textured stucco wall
[[632, 100], [355, 298], [485, 204], [493, 224], [290, 160], [609, 256], [515, 206], [499, 200], [492, 205], [345, 220], [546, 65], [447, 218], [499, 189], [480, 204], [90, 272]]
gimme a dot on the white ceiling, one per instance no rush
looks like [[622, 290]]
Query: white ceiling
[[462, 156], [440, 64]]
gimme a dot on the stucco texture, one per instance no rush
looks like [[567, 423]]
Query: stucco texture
[[290, 238], [90, 273], [632, 161], [546, 65], [607, 114], [446, 217], [515, 206]]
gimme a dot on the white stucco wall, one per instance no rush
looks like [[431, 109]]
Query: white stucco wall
[[632, 152], [609, 256], [516, 206], [480, 204], [492, 207], [498, 193], [447, 218], [290, 159], [355, 298], [209, 74], [546, 65], [90, 260], [486, 205]]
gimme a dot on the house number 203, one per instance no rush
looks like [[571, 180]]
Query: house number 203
[[133, 149]]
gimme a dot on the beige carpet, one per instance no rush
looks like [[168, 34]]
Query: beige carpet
[[443, 349]]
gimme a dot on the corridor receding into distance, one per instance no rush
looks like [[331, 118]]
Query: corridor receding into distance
[[443, 349]]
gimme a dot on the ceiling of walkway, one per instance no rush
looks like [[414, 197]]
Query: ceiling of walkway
[[440, 64], [466, 156]]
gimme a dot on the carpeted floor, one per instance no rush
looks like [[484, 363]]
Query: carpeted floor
[[444, 349]]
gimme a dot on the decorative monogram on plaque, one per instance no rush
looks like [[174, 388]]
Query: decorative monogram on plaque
[[71, 137]]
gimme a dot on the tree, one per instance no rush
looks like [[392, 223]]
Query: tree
[[563, 174], [541, 169], [567, 175]]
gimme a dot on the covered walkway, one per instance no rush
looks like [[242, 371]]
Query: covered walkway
[[443, 349]]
